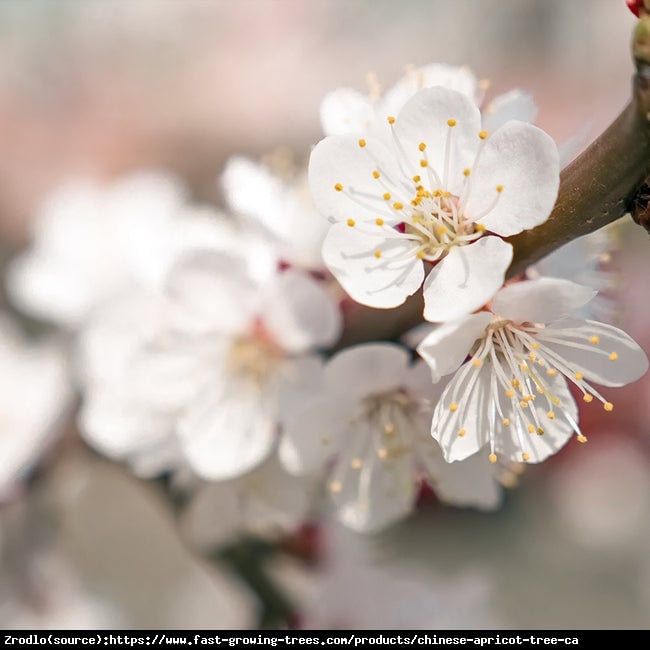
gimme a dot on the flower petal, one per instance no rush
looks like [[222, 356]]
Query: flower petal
[[299, 313], [345, 110], [540, 301], [445, 349], [466, 279], [514, 105], [424, 119], [523, 161], [615, 360], [372, 280]]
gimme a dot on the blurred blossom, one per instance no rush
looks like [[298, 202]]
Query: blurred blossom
[[266, 502], [370, 422], [35, 396]]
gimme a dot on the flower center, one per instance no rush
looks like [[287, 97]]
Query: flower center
[[253, 357]]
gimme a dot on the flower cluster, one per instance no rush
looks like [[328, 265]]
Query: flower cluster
[[207, 342]]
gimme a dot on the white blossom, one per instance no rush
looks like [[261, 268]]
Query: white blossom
[[512, 394], [370, 426], [429, 197]]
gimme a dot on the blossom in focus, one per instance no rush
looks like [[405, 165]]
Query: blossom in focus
[[34, 397], [428, 199], [346, 110], [227, 359], [370, 425], [512, 394], [93, 241], [281, 205]]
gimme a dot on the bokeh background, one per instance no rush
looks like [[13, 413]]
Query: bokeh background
[[105, 87]]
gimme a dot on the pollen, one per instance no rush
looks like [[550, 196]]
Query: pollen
[[477, 363], [397, 205], [423, 163], [551, 415], [613, 356], [531, 428], [579, 376], [506, 422], [416, 179], [594, 340], [587, 398], [582, 438], [540, 431], [377, 253], [461, 433], [510, 393], [362, 143], [390, 119], [422, 146], [523, 404], [453, 407], [356, 463], [467, 171], [551, 372], [338, 187], [483, 134], [442, 230], [351, 223], [608, 406], [379, 221], [492, 458], [479, 227], [336, 486], [451, 122], [376, 174], [499, 188], [525, 457], [386, 196]]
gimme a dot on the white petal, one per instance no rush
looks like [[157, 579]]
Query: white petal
[[417, 383], [594, 362], [212, 291], [367, 368], [460, 79], [466, 279], [225, 435], [525, 162], [514, 105], [299, 313], [468, 483], [339, 159], [345, 111], [540, 301], [445, 349], [298, 380], [424, 120], [472, 391], [350, 255]]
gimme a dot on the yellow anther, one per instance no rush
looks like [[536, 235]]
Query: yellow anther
[[531, 428], [391, 119], [525, 457], [397, 205], [442, 230], [595, 340], [377, 253], [467, 171], [423, 163], [356, 463], [499, 188], [422, 146], [608, 406], [541, 362], [420, 255], [579, 376], [492, 458], [453, 407], [338, 187], [506, 422], [613, 356], [551, 415], [382, 452], [362, 143], [336, 486], [510, 393], [582, 438], [523, 404], [351, 223], [451, 122], [386, 196], [514, 383], [532, 356], [461, 433], [483, 134], [534, 346], [379, 221], [529, 398], [477, 363], [416, 179], [551, 372], [376, 174], [540, 431], [523, 366], [437, 193], [446, 194], [479, 227], [587, 398], [389, 428]]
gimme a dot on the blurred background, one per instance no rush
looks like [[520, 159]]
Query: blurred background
[[103, 88]]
